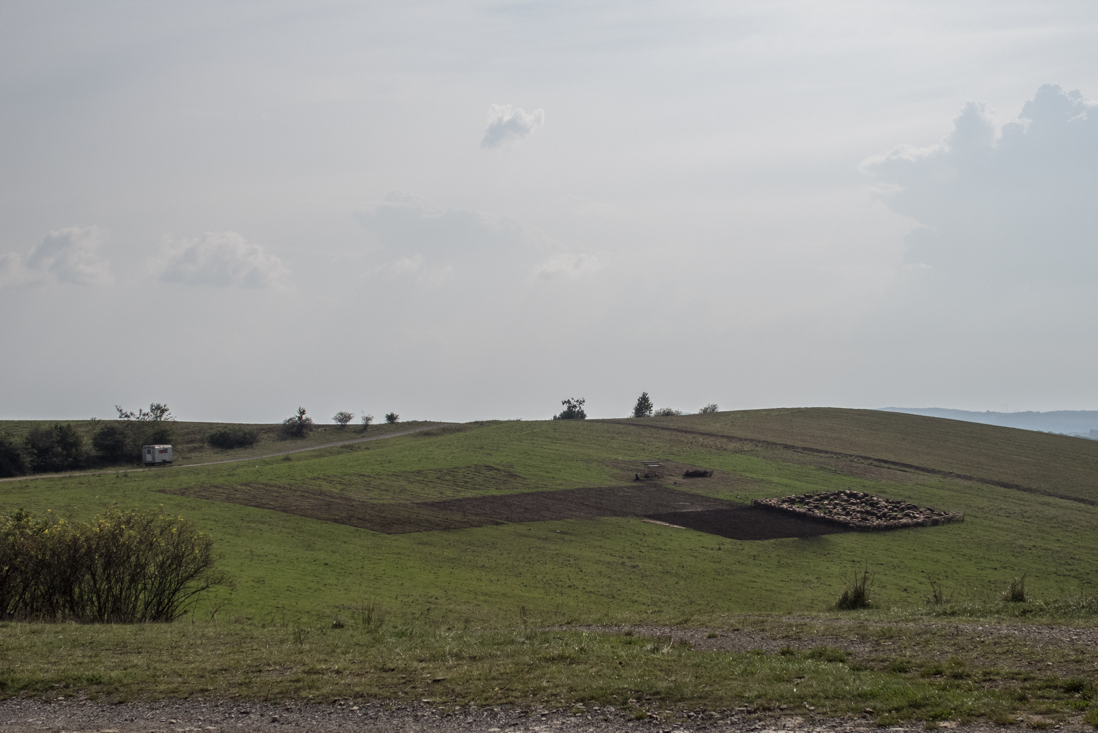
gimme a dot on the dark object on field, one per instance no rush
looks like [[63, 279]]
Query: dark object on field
[[859, 510], [297, 426], [232, 436], [855, 594], [124, 567], [697, 473], [343, 417], [392, 418], [643, 408], [366, 420], [573, 410]]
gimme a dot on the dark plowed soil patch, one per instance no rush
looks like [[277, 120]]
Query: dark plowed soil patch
[[587, 503], [746, 523], [327, 506]]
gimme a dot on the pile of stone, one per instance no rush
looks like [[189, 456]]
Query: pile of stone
[[859, 510]]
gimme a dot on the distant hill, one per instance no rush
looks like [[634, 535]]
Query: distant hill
[[1067, 422]]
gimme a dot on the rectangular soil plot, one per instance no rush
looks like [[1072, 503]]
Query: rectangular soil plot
[[328, 506], [588, 503], [746, 523]]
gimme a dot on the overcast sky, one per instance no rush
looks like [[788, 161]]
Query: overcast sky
[[467, 210]]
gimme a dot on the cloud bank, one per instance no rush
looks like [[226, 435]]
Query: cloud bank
[[506, 125], [1015, 202], [222, 259], [68, 256]]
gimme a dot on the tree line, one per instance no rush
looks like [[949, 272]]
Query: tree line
[[60, 447]]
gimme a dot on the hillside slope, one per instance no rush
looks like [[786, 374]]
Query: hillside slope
[[1055, 465]]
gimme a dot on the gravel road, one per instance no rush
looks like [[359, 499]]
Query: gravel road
[[84, 716]]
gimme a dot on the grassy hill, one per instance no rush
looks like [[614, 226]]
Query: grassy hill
[[302, 538]]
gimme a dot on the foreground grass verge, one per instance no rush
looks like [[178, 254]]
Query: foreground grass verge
[[901, 671]]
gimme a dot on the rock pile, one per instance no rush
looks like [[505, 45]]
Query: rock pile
[[859, 510]]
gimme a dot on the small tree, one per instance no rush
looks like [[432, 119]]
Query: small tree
[[297, 426], [366, 420], [573, 410], [157, 413], [643, 408], [708, 409], [392, 418], [342, 417]]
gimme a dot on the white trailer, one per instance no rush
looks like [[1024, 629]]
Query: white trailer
[[154, 455]]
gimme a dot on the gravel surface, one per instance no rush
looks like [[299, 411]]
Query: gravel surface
[[84, 716]]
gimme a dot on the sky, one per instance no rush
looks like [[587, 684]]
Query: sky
[[475, 210]]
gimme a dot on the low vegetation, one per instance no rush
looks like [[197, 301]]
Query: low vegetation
[[598, 609], [121, 567], [232, 436]]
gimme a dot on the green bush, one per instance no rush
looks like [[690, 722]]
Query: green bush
[[856, 593], [1016, 590], [113, 442], [232, 437], [56, 448], [643, 408], [12, 462], [123, 567], [297, 426]]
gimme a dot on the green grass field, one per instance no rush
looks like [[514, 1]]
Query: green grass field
[[1030, 502]]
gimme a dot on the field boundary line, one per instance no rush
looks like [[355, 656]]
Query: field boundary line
[[884, 462], [229, 460]]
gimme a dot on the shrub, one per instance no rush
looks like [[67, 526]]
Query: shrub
[[232, 436], [392, 418], [643, 408], [856, 593], [343, 417], [666, 412], [113, 442], [57, 448], [123, 567], [297, 426], [1016, 590], [12, 462], [573, 410], [366, 420], [710, 408], [938, 595]]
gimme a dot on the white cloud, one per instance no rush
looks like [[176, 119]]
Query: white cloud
[[69, 256], [409, 225], [508, 125], [222, 259], [569, 264], [1014, 202]]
